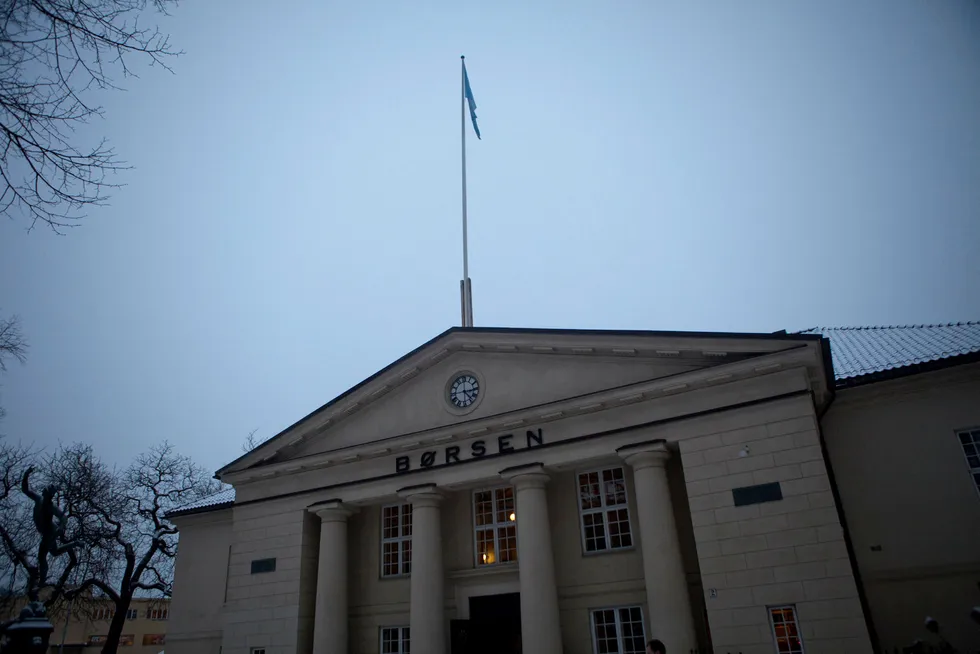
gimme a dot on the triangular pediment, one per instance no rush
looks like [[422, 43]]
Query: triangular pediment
[[517, 370]]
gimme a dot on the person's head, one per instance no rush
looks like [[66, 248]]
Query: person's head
[[656, 647]]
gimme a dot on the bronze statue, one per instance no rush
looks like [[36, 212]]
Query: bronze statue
[[49, 520]]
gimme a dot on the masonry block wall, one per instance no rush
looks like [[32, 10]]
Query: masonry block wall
[[789, 551], [265, 609]]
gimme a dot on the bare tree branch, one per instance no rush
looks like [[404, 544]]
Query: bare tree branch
[[13, 343], [54, 54]]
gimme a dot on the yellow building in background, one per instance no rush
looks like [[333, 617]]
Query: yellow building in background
[[82, 627]]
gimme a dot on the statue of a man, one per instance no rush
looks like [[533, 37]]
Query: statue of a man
[[49, 519]]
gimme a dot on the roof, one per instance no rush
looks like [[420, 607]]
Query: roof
[[860, 354], [222, 498], [867, 354]]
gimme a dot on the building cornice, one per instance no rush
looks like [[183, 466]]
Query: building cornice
[[799, 357]]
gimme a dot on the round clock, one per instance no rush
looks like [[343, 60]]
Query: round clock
[[463, 391]]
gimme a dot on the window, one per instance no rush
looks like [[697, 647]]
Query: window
[[618, 630], [394, 640], [161, 613], [396, 540], [126, 640], [605, 514], [103, 613], [263, 565], [496, 526], [131, 614], [97, 640], [785, 631], [970, 440], [155, 639], [257, 650]]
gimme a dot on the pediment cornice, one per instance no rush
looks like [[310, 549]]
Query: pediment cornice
[[744, 359]]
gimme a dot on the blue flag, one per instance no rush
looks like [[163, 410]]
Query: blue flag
[[468, 92]]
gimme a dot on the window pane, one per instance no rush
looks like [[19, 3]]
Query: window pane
[[507, 544], [589, 496], [406, 520], [483, 508], [485, 554], [406, 557], [595, 533], [614, 486]]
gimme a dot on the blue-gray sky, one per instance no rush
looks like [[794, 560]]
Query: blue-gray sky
[[292, 223]]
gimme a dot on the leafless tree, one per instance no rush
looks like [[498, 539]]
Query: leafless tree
[[13, 345], [117, 543], [54, 54], [251, 442], [138, 560], [47, 527]]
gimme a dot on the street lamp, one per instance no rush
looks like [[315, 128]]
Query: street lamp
[[29, 634]]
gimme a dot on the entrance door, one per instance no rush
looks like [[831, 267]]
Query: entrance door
[[494, 626]]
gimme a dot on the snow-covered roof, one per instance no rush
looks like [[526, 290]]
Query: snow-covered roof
[[862, 354], [222, 498]]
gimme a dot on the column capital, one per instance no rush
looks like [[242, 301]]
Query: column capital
[[645, 455], [424, 495], [532, 475], [332, 511]]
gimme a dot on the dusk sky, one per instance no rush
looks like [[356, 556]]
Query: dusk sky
[[292, 221]]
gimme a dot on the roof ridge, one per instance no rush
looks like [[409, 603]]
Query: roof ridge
[[961, 323]]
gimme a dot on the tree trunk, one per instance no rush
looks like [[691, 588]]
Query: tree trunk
[[117, 625]]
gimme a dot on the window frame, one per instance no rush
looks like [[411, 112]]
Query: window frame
[[397, 539], [603, 510], [796, 623], [619, 630], [494, 526], [404, 636], [974, 435], [132, 614], [103, 614], [159, 614]]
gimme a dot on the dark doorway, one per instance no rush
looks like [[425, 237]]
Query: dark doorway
[[494, 626]]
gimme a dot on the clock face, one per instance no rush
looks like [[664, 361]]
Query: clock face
[[464, 391]]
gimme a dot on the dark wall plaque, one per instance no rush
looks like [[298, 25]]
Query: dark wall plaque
[[757, 494]]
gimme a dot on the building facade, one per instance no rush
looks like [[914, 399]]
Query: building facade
[[81, 626], [561, 491]]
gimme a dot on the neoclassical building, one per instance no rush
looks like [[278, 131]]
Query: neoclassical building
[[579, 492]]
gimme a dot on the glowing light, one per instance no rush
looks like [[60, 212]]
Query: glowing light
[[513, 517]]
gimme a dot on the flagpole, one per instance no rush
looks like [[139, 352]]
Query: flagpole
[[464, 291]]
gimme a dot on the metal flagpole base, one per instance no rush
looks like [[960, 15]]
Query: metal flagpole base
[[462, 303], [466, 301]]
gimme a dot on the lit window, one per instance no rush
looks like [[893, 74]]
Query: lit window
[[158, 613], [97, 640], [496, 526], [155, 639], [126, 640], [618, 630], [395, 640], [604, 510], [785, 630], [396, 540], [970, 440]]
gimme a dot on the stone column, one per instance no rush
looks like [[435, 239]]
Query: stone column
[[330, 616], [540, 626], [428, 591], [663, 568]]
